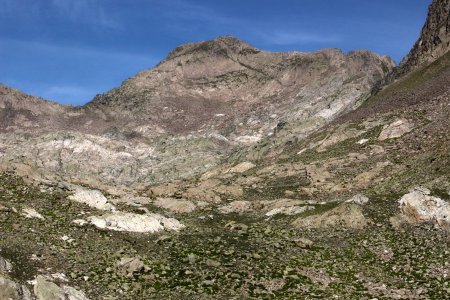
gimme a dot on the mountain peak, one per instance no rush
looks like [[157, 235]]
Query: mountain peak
[[434, 40], [222, 45]]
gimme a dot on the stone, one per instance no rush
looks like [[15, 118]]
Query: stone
[[242, 167], [358, 199], [47, 290], [93, 198], [289, 211], [10, 290], [175, 205], [31, 213], [236, 207], [127, 266], [163, 190], [5, 266], [395, 129], [362, 141], [212, 263], [237, 227], [303, 243], [347, 215], [419, 206], [122, 221]]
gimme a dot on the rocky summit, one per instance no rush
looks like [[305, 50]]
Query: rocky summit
[[229, 172]]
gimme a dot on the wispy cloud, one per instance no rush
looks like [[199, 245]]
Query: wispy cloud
[[295, 38], [85, 11], [75, 50]]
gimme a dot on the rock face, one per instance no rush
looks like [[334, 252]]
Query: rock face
[[419, 206], [434, 40], [216, 84], [184, 116]]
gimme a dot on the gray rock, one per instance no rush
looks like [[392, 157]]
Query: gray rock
[[396, 129], [10, 290], [419, 206], [127, 266], [47, 290], [5, 266], [358, 199], [303, 243]]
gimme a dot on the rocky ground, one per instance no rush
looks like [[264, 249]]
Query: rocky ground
[[359, 253]]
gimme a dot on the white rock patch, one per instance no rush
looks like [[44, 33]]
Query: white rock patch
[[31, 213], [93, 198], [122, 221], [358, 199], [362, 141]]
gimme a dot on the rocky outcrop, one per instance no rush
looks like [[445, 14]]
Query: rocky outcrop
[[434, 40], [93, 198], [419, 206], [184, 116], [122, 221], [347, 215], [395, 129], [239, 93]]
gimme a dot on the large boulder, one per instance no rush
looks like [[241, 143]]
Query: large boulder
[[47, 290], [419, 206], [10, 290], [395, 129]]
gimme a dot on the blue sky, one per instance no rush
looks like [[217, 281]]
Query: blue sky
[[70, 50]]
